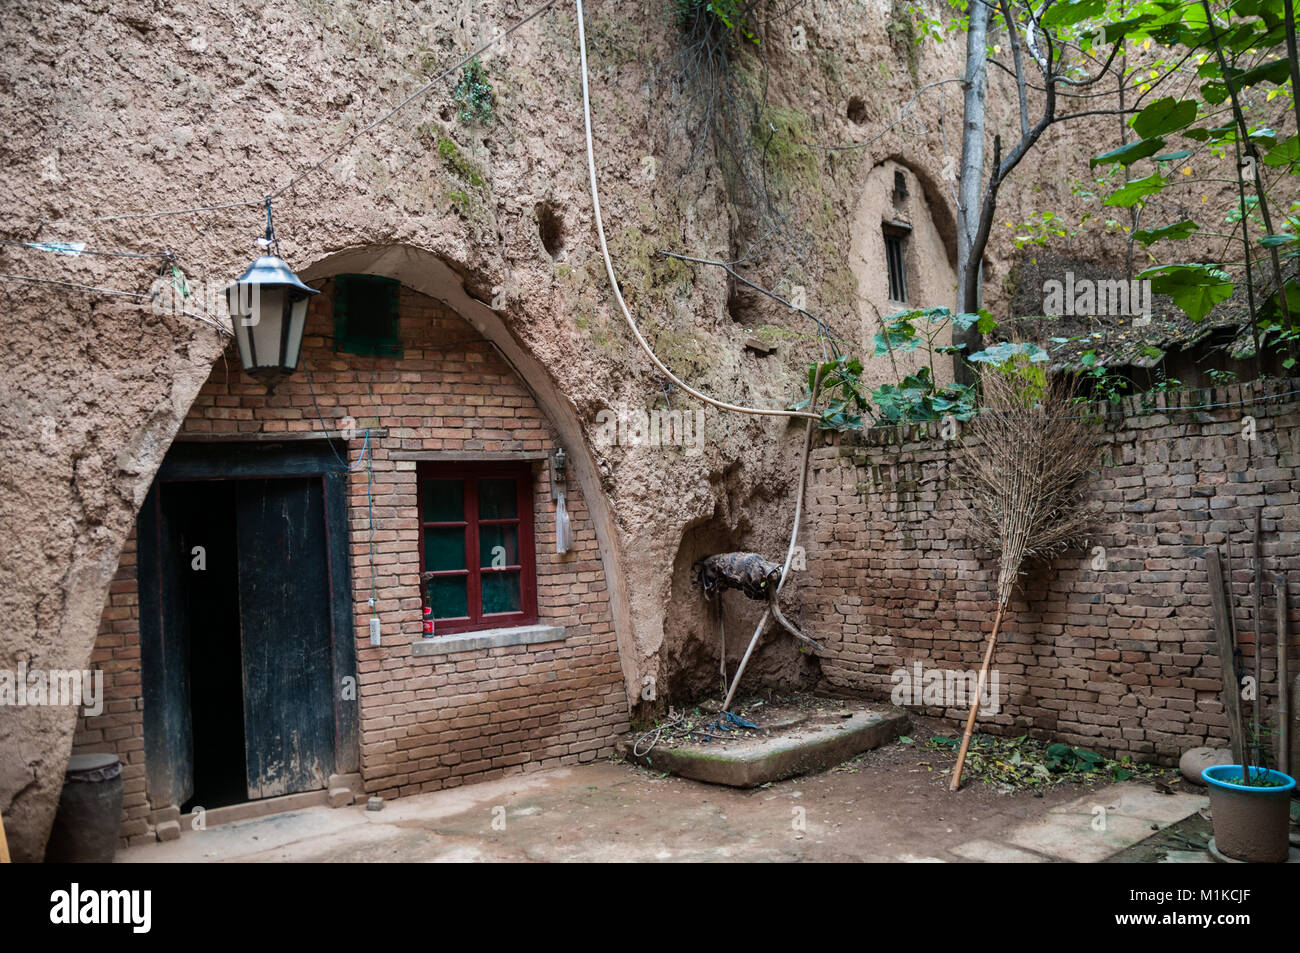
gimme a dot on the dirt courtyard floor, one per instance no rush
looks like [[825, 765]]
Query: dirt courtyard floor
[[891, 804]]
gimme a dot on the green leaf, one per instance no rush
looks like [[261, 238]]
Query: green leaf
[[1172, 156], [1130, 193], [1128, 154], [1196, 289], [1214, 92], [1177, 230], [1274, 71], [1000, 354], [984, 321], [1286, 152], [1164, 115], [1273, 241], [1067, 12]]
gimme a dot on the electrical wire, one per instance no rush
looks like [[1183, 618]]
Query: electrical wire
[[119, 293], [609, 264], [73, 252]]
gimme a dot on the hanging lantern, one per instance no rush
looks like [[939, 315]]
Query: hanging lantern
[[268, 311]]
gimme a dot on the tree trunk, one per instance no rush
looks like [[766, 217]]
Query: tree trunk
[[971, 183]]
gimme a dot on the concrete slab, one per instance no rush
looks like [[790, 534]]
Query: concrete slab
[[1104, 822], [812, 743], [1187, 857], [1141, 801], [987, 852]]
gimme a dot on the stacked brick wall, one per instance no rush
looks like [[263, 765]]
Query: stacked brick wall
[[1120, 659], [432, 721]]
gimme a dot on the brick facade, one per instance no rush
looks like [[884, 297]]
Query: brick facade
[[1121, 660], [426, 722]]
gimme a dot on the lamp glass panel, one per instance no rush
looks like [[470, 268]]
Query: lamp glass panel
[[237, 304], [268, 313], [297, 324]]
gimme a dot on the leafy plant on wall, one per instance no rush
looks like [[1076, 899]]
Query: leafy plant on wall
[[474, 94]]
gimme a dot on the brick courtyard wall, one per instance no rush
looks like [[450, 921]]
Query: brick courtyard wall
[[1120, 660], [426, 722]]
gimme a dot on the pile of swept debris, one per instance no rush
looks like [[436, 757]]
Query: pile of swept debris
[[1019, 764], [750, 718]]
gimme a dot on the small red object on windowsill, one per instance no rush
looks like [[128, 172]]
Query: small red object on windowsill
[[428, 621]]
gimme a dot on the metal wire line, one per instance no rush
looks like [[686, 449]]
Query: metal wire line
[[118, 293]]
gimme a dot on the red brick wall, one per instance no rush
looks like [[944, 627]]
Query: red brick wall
[[425, 722], [1121, 660]]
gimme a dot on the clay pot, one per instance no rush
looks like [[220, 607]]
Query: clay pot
[[1250, 823]]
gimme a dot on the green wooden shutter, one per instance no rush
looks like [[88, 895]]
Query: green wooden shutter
[[366, 315]]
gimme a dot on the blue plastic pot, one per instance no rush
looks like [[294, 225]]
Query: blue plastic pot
[[1250, 823]]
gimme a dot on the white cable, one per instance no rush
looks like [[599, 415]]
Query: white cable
[[122, 294], [609, 265]]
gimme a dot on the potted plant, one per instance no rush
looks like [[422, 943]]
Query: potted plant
[[1251, 810]]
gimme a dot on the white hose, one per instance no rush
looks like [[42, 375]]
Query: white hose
[[789, 554], [609, 265]]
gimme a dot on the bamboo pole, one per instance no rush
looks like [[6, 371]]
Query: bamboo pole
[[1257, 743], [1237, 664], [1223, 636], [1283, 679], [975, 703]]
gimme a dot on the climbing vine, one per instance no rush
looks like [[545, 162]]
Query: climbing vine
[[474, 94]]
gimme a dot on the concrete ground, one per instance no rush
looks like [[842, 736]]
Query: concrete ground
[[609, 811]]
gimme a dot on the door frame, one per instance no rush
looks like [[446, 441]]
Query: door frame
[[200, 461]]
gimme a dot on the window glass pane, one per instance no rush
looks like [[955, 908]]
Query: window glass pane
[[446, 596], [444, 549], [501, 592], [367, 318], [444, 501], [497, 499], [498, 546]]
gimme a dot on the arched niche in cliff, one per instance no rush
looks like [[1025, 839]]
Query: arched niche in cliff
[[426, 273], [904, 255]]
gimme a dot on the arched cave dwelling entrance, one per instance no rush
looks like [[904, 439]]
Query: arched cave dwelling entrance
[[244, 596], [904, 256]]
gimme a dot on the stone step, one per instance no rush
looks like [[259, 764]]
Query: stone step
[[811, 744]]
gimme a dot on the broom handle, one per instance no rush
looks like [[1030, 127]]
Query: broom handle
[[975, 703]]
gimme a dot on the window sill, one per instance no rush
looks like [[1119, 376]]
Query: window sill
[[488, 639]]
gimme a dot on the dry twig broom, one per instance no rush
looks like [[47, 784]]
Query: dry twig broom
[[1021, 463]]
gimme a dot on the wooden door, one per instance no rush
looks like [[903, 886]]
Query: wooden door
[[284, 612]]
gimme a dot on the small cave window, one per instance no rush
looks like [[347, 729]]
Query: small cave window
[[366, 315], [900, 185], [896, 261], [550, 226]]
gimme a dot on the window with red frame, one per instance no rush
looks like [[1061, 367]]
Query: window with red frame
[[477, 564]]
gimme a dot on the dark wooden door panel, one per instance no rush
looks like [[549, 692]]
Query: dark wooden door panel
[[285, 633], [164, 651]]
